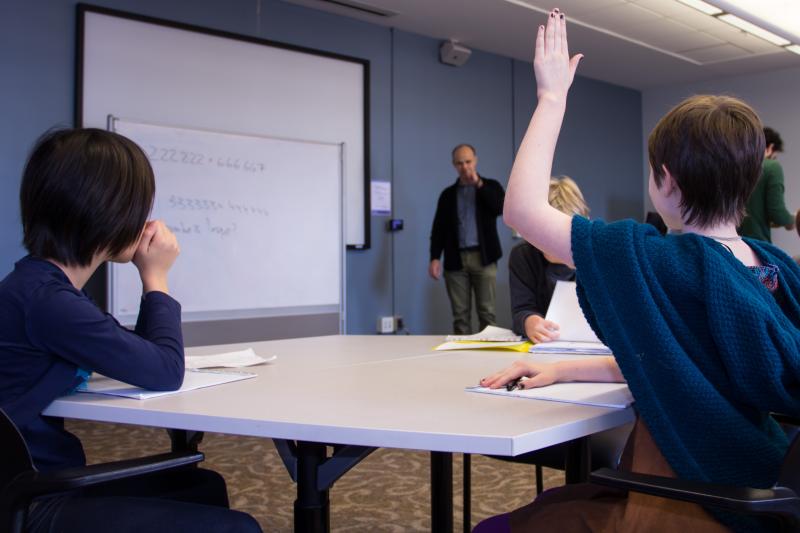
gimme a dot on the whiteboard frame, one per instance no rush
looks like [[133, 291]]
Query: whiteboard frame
[[84, 9], [255, 313]]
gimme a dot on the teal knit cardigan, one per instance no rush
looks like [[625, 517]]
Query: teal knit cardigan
[[706, 350]]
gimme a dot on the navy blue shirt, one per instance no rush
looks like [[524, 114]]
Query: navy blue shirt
[[49, 330]]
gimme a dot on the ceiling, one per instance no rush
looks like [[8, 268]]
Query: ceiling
[[634, 43]]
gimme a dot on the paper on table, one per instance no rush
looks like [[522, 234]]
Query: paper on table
[[614, 395], [567, 347], [565, 311], [515, 346], [489, 333], [228, 360], [194, 379]]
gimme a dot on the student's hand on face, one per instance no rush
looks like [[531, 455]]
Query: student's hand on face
[[435, 269], [538, 374], [538, 329], [157, 251], [552, 65]]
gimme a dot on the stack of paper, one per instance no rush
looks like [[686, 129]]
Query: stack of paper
[[568, 347], [491, 337], [614, 395], [489, 334], [194, 379], [228, 360], [575, 334]]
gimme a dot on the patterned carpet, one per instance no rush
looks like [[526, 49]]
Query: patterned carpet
[[388, 491]]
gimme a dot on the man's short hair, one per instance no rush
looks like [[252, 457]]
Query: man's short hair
[[565, 196], [459, 147], [713, 146], [84, 192], [774, 138]]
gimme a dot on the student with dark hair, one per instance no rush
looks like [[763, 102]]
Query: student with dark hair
[[765, 207], [703, 325], [85, 198]]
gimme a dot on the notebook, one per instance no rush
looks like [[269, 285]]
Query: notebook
[[194, 379], [615, 395]]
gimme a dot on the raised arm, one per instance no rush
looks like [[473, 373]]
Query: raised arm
[[526, 207]]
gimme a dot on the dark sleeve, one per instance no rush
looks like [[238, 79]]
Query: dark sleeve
[[776, 209], [439, 228], [522, 278], [65, 323], [491, 197]]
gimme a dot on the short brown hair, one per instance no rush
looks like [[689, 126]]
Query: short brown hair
[[84, 192], [565, 196], [459, 147], [713, 146]]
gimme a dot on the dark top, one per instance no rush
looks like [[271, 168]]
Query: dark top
[[444, 235], [532, 280], [50, 331], [765, 205]]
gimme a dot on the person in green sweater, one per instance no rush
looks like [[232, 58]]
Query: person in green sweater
[[765, 208]]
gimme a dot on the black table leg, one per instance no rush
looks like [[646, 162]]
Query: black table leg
[[312, 506], [577, 464], [183, 440], [441, 492], [467, 488]]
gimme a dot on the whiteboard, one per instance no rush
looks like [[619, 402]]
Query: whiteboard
[[166, 73], [258, 220]]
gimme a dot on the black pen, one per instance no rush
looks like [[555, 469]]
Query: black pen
[[513, 384]]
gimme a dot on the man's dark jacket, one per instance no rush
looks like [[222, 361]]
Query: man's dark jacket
[[444, 235]]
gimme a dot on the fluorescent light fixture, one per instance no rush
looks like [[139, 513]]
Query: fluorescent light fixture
[[781, 17], [794, 48], [752, 29], [705, 7]]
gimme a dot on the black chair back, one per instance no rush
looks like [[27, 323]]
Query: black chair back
[[14, 461], [16, 458], [789, 476]]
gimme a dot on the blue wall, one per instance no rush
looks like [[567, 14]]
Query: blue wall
[[419, 110]]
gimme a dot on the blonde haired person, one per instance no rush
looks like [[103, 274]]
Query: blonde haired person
[[533, 275]]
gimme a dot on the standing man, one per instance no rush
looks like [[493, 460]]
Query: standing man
[[765, 207], [465, 227]]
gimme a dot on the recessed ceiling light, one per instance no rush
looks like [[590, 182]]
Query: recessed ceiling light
[[752, 29], [705, 7], [793, 48]]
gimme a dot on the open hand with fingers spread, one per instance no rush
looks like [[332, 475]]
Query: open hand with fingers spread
[[553, 67]]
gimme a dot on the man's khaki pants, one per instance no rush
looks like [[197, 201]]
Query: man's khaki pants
[[473, 277]]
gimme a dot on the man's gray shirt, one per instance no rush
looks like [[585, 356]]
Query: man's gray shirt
[[467, 225]]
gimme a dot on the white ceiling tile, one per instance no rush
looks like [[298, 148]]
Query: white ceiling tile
[[752, 43], [667, 8], [575, 7], [617, 17], [723, 52], [696, 39]]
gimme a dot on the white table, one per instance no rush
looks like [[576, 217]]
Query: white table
[[361, 392]]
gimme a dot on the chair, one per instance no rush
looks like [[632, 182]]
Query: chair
[[781, 502], [21, 482], [605, 449]]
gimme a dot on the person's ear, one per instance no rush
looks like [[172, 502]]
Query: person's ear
[[668, 183]]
